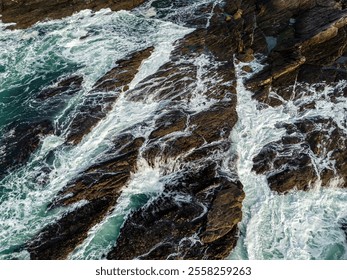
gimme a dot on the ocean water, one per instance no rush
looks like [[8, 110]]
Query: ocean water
[[299, 225]]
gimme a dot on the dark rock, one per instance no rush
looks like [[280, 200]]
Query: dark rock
[[68, 86], [288, 163], [57, 240], [19, 141], [105, 92], [215, 123], [317, 37], [212, 125], [99, 186], [103, 179], [196, 218], [168, 123], [197, 215], [27, 12]]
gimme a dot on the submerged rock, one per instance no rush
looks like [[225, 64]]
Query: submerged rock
[[19, 141], [67, 86]]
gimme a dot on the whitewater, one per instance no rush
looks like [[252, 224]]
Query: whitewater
[[297, 225]]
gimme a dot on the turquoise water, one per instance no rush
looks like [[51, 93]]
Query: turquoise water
[[300, 225], [35, 58]]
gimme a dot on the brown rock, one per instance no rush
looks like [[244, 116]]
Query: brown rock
[[216, 123], [20, 141], [287, 163], [168, 123], [97, 104], [174, 226], [100, 186], [68, 86], [224, 215], [57, 240], [27, 12]]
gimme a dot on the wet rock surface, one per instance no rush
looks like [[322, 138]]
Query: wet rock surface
[[195, 218], [197, 214], [19, 141], [305, 66], [311, 149], [95, 105], [66, 86], [198, 90], [98, 188], [27, 12]]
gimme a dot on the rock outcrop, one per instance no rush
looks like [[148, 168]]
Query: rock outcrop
[[196, 216], [27, 12], [66, 86], [99, 188], [95, 106], [308, 57], [19, 141]]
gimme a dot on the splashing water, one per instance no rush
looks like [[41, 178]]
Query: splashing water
[[298, 225]]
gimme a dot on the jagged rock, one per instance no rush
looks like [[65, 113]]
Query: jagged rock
[[169, 123], [289, 163], [19, 141], [99, 187], [167, 228], [212, 125], [310, 46], [224, 215], [217, 122], [197, 215], [96, 105], [57, 240], [27, 12], [68, 86], [317, 36], [195, 218], [102, 179]]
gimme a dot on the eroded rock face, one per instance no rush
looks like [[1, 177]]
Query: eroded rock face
[[19, 141], [195, 218], [27, 12], [307, 57], [66, 86], [314, 35], [98, 188], [197, 215], [96, 105]]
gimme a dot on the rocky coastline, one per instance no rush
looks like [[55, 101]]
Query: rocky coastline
[[303, 43], [25, 13]]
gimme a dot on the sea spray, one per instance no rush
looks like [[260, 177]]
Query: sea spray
[[299, 224]]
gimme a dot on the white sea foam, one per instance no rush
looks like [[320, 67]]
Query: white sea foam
[[298, 225], [26, 192]]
